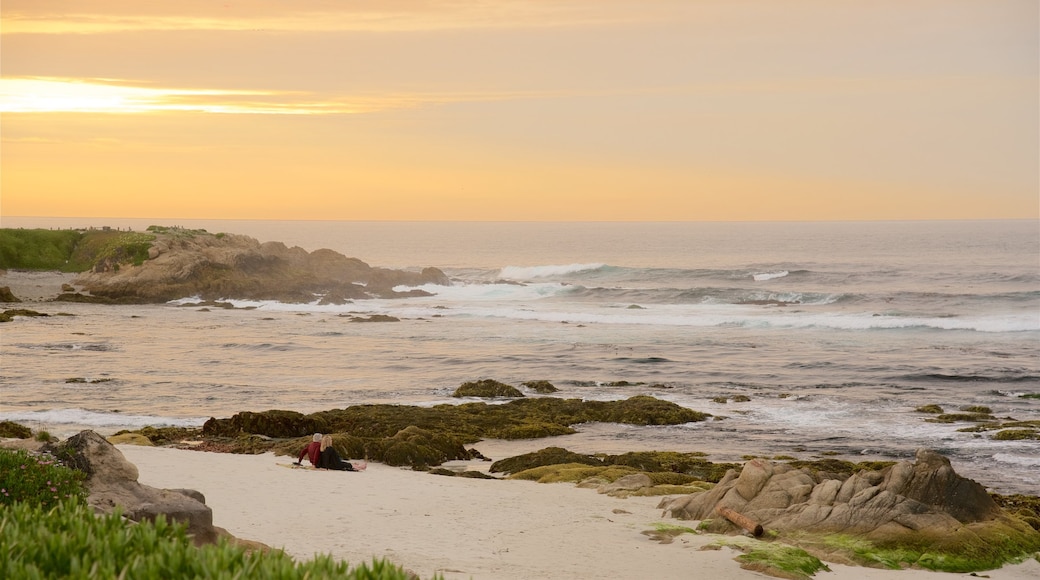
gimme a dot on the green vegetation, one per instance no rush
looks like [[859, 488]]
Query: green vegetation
[[775, 558], [39, 249], [70, 541], [50, 532], [933, 409], [37, 480], [977, 409], [71, 250], [971, 553]]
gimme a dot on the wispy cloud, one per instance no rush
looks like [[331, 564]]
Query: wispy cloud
[[115, 96], [22, 17]]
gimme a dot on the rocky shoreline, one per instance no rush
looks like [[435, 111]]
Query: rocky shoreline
[[166, 264]]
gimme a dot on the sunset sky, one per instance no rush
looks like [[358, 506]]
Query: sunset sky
[[521, 110]]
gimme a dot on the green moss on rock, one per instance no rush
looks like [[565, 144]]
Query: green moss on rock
[[487, 388], [933, 409], [541, 387], [1016, 434], [274, 423], [958, 417], [12, 430]]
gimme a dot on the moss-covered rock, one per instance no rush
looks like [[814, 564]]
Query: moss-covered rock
[[9, 314], [932, 409], [543, 457], [690, 464], [169, 435], [487, 388], [274, 423], [959, 417], [126, 438], [977, 409], [1024, 507], [469, 473], [12, 430], [1016, 434], [541, 387], [668, 467]]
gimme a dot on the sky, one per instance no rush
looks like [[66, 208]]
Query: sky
[[521, 110]]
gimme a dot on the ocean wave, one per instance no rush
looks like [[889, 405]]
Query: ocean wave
[[535, 272], [1023, 460], [95, 419], [763, 276]]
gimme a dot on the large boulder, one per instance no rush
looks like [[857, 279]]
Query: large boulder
[[923, 504], [112, 482]]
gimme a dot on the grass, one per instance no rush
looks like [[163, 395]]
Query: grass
[[39, 249], [69, 541], [47, 530], [71, 250]]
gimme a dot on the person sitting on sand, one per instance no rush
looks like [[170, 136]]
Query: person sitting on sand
[[330, 458], [312, 451]]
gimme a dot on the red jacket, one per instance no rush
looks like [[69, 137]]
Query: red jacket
[[313, 453]]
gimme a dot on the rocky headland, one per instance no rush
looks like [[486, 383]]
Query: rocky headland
[[166, 264]]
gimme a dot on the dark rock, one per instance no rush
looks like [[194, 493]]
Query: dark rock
[[274, 423], [8, 315], [541, 387], [547, 456], [486, 388]]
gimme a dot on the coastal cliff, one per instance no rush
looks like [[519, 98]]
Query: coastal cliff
[[169, 263]]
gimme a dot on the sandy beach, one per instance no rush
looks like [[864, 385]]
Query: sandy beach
[[458, 527], [32, 286]]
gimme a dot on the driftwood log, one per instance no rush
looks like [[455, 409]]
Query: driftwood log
[[754, 528]]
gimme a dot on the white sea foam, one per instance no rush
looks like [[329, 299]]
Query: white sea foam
[[94, 419], [533, 272], [763, 276], [1023, 460]]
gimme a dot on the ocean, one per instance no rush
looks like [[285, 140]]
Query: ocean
[[835, 332]]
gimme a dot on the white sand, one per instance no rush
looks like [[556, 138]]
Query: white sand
[[459, 527]]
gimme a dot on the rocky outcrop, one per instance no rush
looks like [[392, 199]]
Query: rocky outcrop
[[112, 482], [923, 504], [7, 296], [183, 264]]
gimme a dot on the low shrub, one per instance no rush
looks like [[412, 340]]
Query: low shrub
[[69, 541], [37, 479]]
